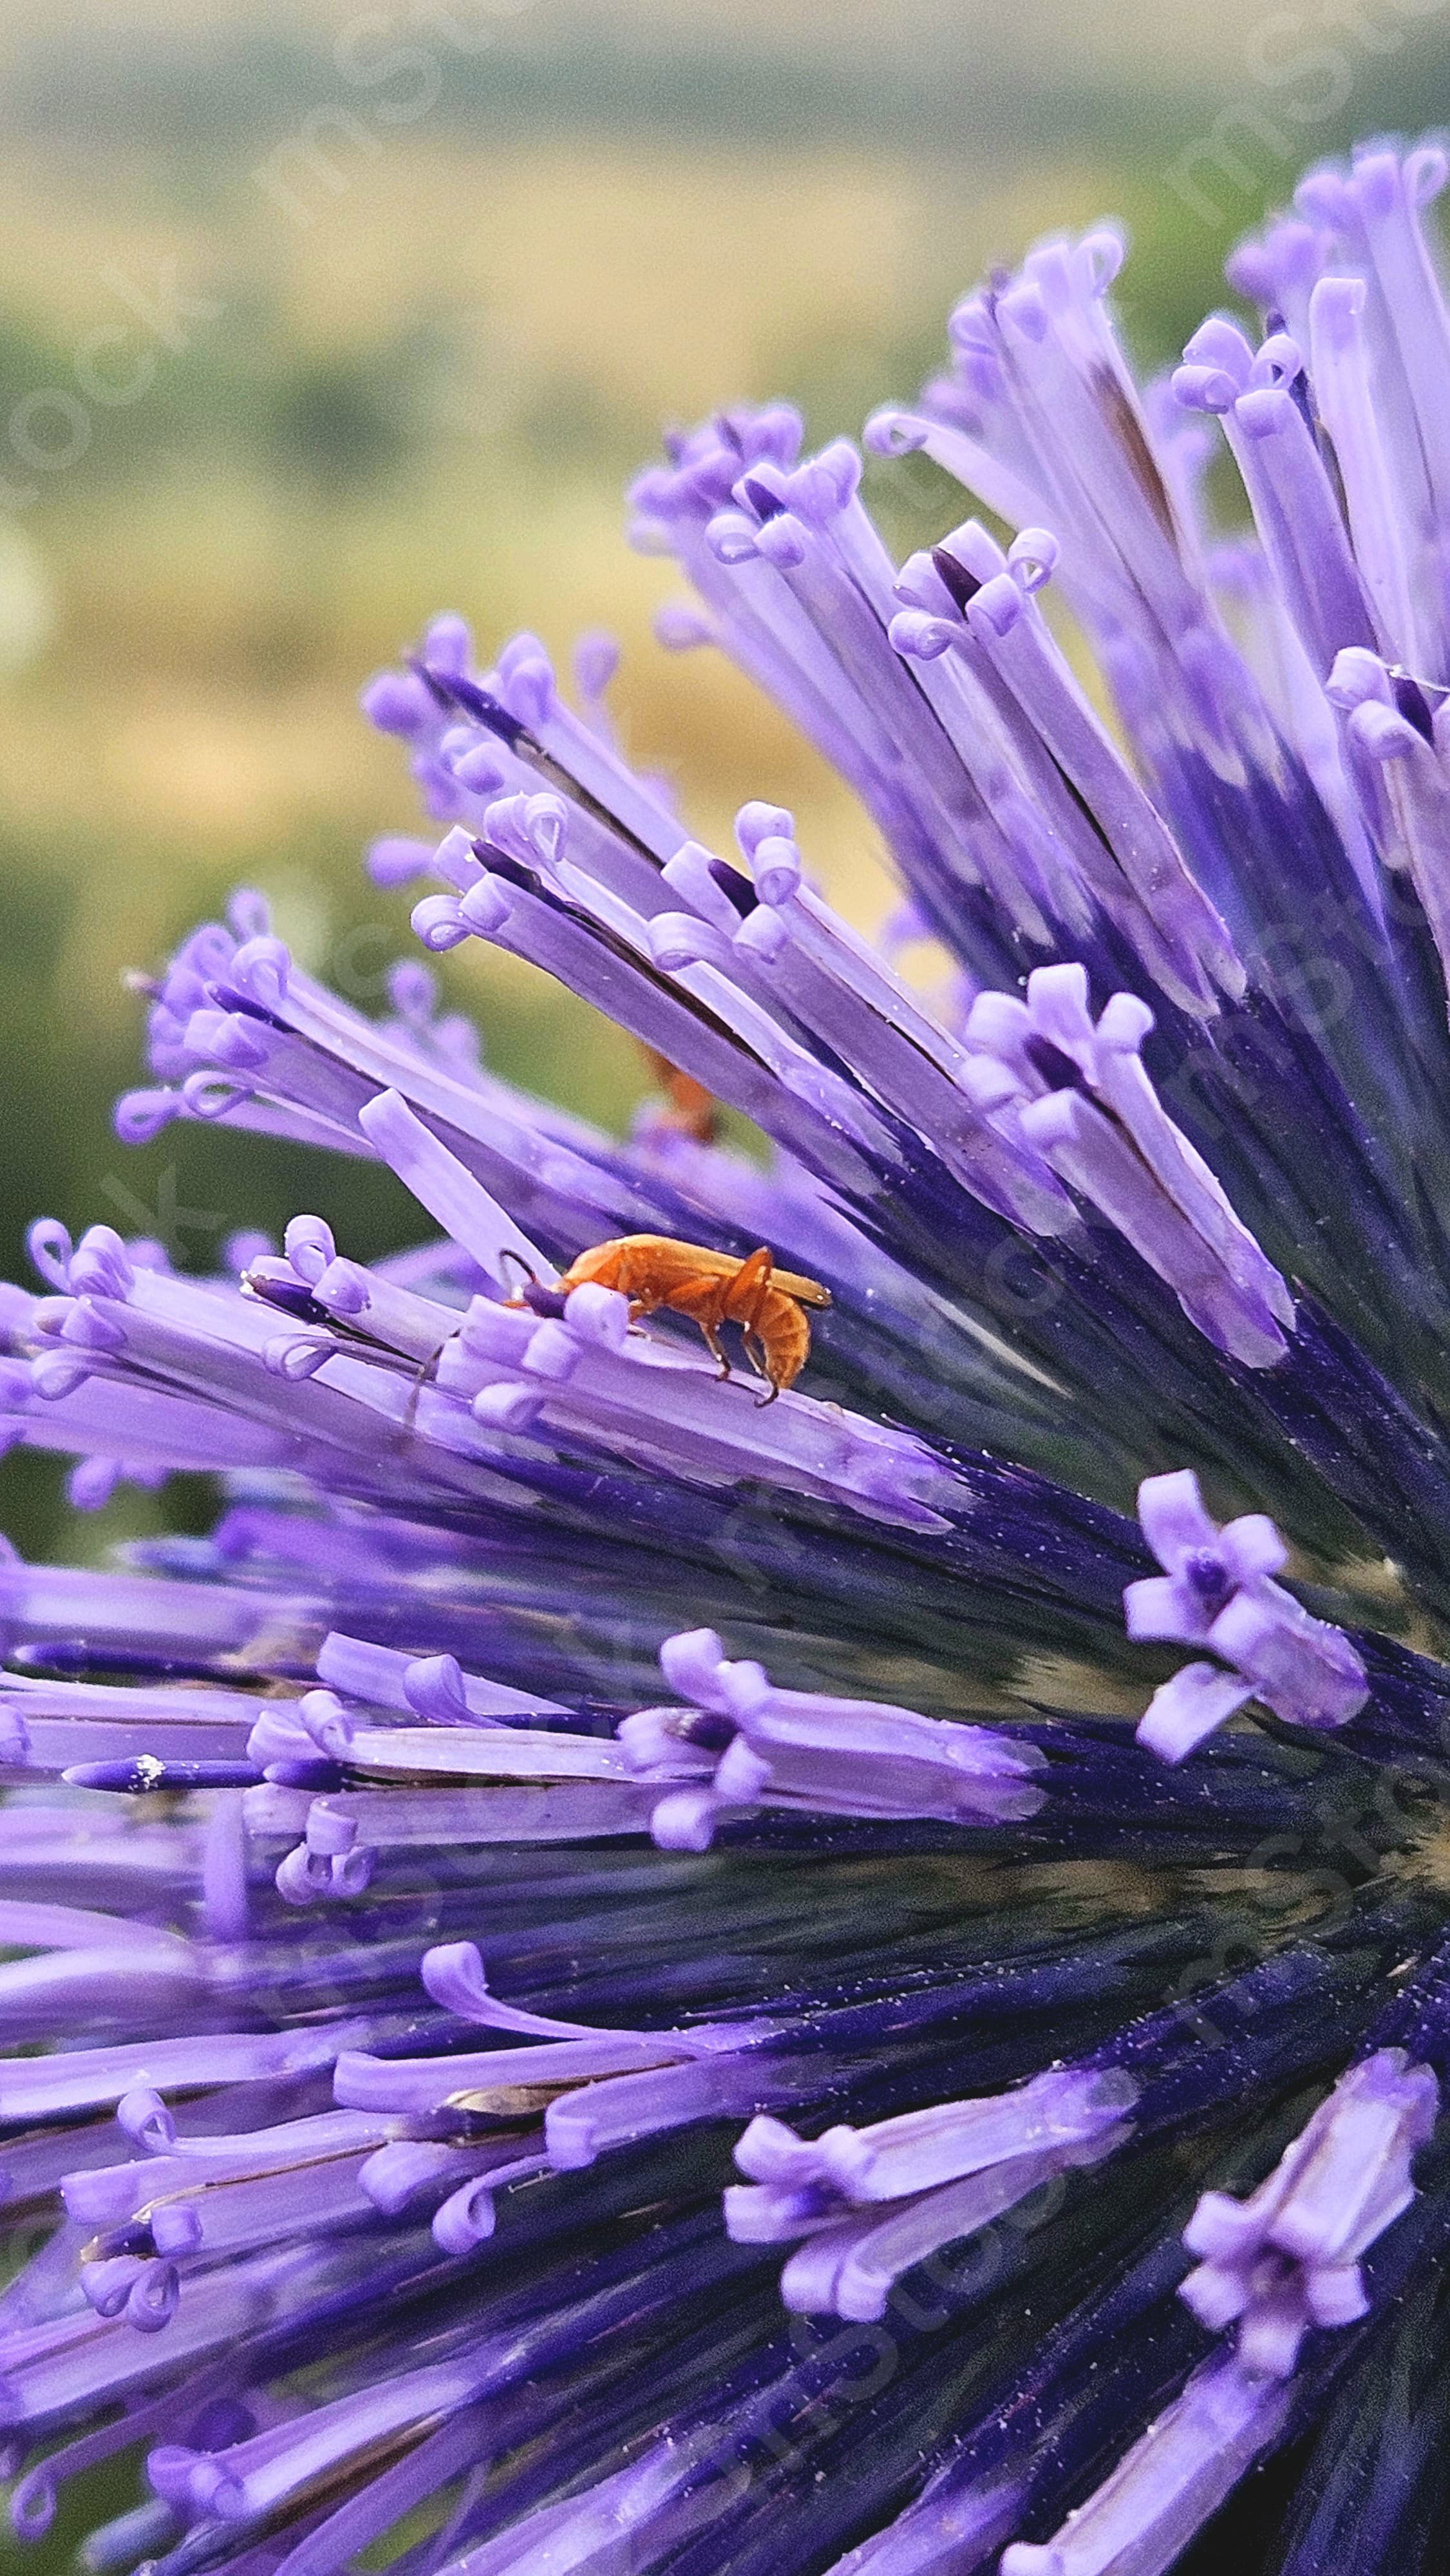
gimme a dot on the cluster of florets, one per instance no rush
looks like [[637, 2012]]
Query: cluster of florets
[[594, 1814]]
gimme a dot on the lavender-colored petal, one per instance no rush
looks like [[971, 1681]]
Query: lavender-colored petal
[[1169, 2483]]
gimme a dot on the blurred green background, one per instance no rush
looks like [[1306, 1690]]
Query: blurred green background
[[313, 322]]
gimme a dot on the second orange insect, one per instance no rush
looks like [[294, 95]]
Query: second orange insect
[[712, 1288]]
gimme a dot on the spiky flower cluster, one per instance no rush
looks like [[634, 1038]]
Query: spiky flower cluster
[[600, 1979]]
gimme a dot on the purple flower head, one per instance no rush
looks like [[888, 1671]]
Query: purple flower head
[[1081, 1097], [873, 2203], [602, 1973], [1217, 1590], [758, 1746], [1287, 2258]]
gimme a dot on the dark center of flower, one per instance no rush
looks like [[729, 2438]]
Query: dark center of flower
[[1210, 1579], [1056, 1069]]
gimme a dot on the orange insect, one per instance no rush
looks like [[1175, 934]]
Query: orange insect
[[691, 1110], [712, 1288]]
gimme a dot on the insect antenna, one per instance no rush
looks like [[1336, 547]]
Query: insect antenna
[[535, 1293]]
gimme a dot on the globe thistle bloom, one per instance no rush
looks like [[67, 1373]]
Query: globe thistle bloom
[[639, 1966]]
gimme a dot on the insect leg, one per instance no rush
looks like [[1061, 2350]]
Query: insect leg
[[714, 1345], [704, 1300], [745, 1294], [423, 1375], [758, 1354]]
